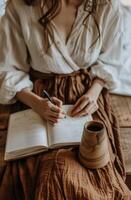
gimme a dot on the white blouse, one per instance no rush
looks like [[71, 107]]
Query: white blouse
[[22, 46]]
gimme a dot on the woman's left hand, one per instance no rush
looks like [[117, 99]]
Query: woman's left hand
[[87, 104]]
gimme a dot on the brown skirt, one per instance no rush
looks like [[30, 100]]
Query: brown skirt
[[57, 174]]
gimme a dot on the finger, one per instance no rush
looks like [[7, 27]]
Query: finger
[[93, 109], [52, 123], [57, 101], [53, 119], [55, 108], [57, 115], [85, 111], [89, 107], [79, 105], [74, 106], [82, 106]]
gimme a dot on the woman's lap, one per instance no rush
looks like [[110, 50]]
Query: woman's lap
[[57, 174], [63, 177]]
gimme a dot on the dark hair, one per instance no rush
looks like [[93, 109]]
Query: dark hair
[[54, 7]]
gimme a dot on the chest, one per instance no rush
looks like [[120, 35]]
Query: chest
[[64, 22], [72, 43]]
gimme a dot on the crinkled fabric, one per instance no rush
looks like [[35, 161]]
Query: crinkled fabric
[[57, 174]]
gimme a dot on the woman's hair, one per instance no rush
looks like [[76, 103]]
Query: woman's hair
[[54, 6]]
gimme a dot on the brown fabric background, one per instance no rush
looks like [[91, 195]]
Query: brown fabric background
[[57, 174]]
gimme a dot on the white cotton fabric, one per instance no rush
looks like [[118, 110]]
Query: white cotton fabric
[[22, 45], [124, 72], [2, 7]]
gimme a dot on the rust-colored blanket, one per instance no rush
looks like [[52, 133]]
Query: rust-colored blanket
[[57, 174]]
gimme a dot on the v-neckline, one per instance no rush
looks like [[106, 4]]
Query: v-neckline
[[67, 40]]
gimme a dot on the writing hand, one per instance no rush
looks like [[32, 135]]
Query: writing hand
[[50, 111]]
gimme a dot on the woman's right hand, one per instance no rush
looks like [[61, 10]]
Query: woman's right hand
[[47, 110]]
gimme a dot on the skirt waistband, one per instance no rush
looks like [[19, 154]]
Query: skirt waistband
[[40, 75]]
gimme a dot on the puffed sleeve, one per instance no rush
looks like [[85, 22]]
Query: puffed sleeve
[[109, 60], [14, 62]]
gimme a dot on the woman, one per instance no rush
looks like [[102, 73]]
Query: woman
[[71, 49]]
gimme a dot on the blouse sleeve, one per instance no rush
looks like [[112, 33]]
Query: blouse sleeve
[[109, 60], [14, 65]]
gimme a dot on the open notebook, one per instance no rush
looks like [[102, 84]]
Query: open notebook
[[29, 134]]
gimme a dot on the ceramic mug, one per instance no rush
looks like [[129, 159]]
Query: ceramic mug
[[94, 150]]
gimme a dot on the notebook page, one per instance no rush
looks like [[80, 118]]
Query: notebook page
[[26, 130], [68, 131]]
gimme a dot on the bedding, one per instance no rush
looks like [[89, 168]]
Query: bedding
[[2, 7], [124, 86]]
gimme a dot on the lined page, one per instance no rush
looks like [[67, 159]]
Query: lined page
[[26, 130]]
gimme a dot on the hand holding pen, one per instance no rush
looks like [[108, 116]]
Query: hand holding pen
[[53, 100], [54, 106]]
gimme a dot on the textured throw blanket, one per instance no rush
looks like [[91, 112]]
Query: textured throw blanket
[[57, 174]]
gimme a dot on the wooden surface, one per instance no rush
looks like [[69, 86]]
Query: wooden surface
[[126, 146], [122, 107]]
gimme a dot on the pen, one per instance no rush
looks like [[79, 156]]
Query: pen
[[45, 94]]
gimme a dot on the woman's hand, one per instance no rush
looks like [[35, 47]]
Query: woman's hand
[[51, 112], [87, 104], [47, 110]]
